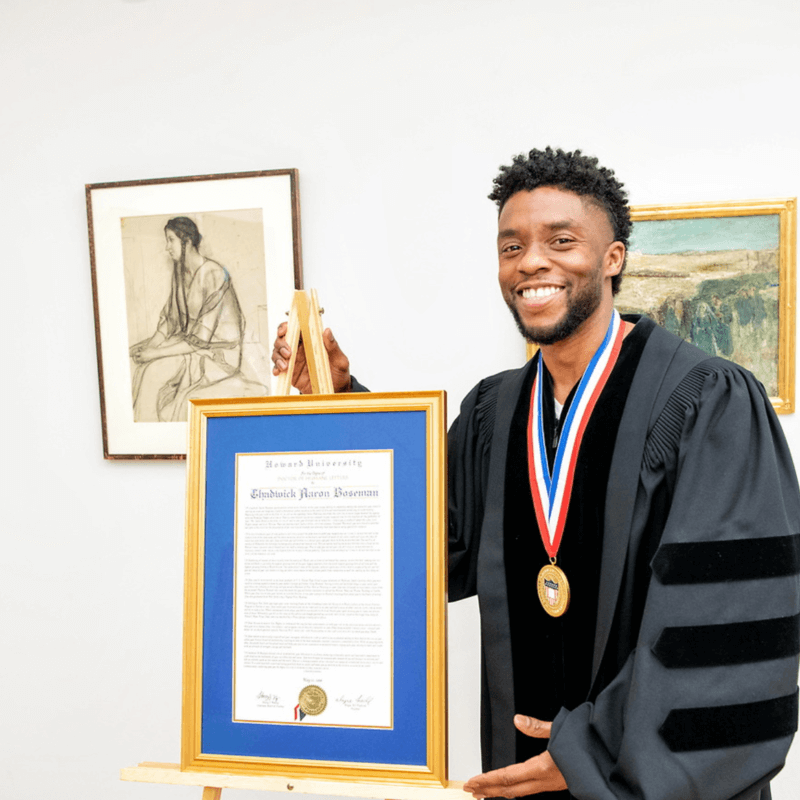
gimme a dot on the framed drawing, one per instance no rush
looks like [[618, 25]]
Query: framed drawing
[[314, 620], [190, 278], [723, 277]]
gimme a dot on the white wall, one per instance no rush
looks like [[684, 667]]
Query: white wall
[[397, 114]]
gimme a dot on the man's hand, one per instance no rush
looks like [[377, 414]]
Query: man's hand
[[537, 774], [340, 364]]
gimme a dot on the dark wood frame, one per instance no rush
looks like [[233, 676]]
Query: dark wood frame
[[93, 191]]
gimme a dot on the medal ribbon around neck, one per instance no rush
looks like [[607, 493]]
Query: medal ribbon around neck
[[551, 493]]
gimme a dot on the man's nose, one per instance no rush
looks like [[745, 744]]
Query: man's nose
[[533, 260]]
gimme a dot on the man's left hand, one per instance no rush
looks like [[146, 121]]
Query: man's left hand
[[537, 774]]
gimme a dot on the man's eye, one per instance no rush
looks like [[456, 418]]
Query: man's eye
[[509, 248]]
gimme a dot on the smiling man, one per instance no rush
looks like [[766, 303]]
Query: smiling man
[[574, 234], [626, 510]]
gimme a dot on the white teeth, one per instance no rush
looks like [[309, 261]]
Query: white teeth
[[543, 291]]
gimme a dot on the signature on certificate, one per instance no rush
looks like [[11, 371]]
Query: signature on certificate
[[355, 703], [267, 700]]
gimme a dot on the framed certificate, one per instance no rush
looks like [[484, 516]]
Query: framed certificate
[[314, 633]]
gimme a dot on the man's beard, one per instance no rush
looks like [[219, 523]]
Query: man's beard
[[580, 307]]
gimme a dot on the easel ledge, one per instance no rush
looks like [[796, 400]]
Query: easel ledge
[[213, 783]]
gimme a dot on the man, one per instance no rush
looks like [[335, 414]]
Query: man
[[655, 655]]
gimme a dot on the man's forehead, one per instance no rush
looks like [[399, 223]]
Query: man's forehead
[[551, 207]]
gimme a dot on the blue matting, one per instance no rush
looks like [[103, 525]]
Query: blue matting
[[404, 432]]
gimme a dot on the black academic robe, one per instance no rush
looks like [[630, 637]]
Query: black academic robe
[[695, 656]]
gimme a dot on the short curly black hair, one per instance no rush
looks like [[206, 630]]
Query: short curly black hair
[[574, 172]]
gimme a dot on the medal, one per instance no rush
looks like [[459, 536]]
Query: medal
[[552, 491], [553, 589]]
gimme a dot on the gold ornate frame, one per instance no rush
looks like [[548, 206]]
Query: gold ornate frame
[[434, 771], [640, 270]]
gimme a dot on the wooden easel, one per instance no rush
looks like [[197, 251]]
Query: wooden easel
[[214, 783], [305, 318]]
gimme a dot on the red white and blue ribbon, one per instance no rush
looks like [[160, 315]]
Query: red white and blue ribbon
[[551, 492]]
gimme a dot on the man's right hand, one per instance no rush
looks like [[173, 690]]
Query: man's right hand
[[340, 363]]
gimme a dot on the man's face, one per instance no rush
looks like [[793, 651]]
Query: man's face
[[557, 255]]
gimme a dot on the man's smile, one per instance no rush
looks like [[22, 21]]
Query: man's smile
[[539, 292]]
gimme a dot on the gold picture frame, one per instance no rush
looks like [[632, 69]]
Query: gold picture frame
[[289, 441], [722, 276]]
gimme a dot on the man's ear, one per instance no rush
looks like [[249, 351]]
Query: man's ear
[[614, 259]]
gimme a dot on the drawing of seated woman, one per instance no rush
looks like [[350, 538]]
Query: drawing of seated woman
[[196, 350]]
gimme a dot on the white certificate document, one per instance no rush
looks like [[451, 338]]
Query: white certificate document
[[313, 594]]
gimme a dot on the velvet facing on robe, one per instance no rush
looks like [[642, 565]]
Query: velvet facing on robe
[[722, 561], [688, 729], [732, 643]]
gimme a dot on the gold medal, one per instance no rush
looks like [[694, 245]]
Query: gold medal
[[313, 700], [551, 487], [553, 589]]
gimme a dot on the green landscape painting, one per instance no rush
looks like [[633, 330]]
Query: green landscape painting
[[714, 281]]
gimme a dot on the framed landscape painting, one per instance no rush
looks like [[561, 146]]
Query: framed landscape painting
[[190, 277], [721, 276]]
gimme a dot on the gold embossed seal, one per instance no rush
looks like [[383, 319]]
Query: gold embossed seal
[[553, 589], [313, 700]]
